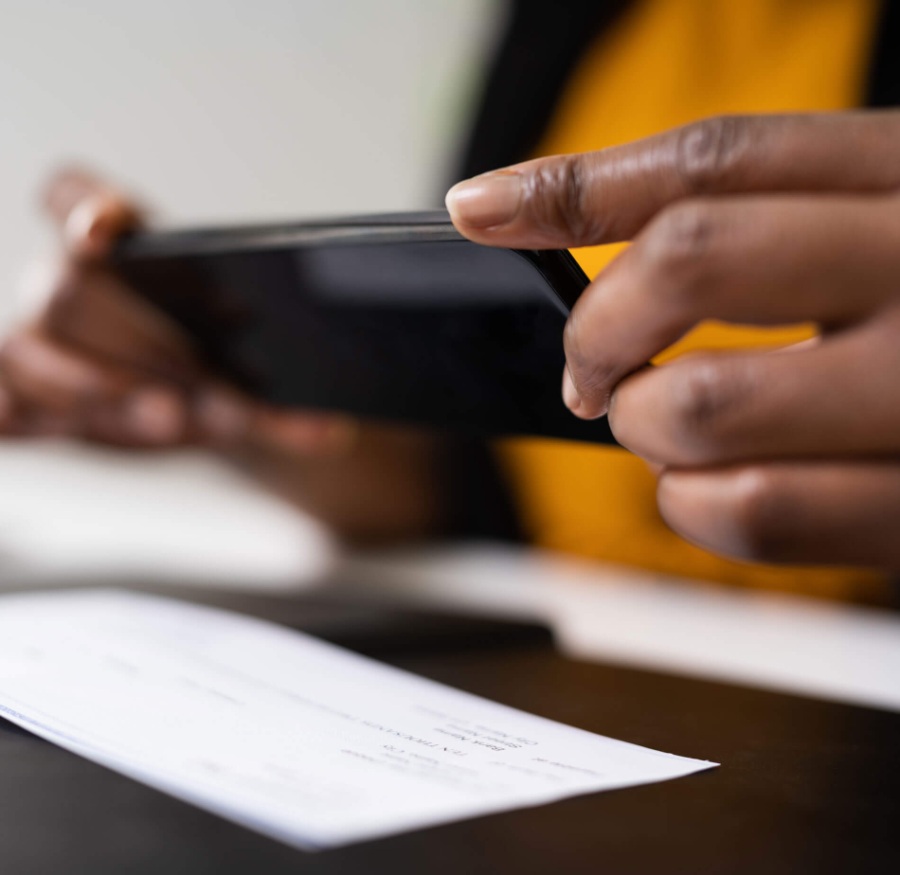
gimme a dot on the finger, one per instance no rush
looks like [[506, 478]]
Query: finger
[[228, 420], [763, 261], [19, 419], [47, 375], [91, 213], [608, 196], [839, 398], [305, 433], [51, 390], [7, 411], [821, 512], [80, 396], [88, 308]]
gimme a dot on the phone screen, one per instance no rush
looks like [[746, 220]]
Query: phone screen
[[437, 332]]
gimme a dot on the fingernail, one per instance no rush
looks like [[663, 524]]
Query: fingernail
[[487, 200], [571, 398], [155, 415]]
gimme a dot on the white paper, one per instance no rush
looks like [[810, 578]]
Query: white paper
[[303, 741]]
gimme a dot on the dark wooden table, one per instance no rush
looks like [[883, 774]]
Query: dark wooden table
[[804, 787]]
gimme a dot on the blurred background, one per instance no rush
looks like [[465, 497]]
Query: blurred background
[[210, 111], [222, 111]]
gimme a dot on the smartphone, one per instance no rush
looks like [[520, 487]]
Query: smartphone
[[396, 317]]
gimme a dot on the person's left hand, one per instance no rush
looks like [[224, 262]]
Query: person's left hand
[[790, 455]]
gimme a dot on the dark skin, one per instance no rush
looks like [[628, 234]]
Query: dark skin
[[95, 363], [785, 456], [790, 455]]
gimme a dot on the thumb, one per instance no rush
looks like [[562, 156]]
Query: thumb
[[91, 214], [609, 195], [548, 203]]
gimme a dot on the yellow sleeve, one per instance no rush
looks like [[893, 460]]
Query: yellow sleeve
[[666, 63]]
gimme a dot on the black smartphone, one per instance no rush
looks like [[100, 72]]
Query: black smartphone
[[394, 317]]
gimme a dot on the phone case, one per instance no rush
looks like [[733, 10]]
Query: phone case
[[394, 317]]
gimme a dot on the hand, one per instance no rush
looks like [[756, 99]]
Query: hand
[[790, 455], [96, 362]]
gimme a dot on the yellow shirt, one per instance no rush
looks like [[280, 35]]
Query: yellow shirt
[[665, 63]]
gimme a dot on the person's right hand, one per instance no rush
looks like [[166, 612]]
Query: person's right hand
[[94, 361], [785, 455]]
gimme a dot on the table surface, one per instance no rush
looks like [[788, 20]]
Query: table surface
[[804, 786]]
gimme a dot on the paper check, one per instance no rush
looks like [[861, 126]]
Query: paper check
[[298, 739]]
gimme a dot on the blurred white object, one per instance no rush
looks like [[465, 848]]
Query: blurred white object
[[70, 513], [290, 736], [611, 613]]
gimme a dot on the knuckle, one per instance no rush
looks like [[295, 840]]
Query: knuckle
[[759, 515], [701, 400], [558, 193], [679, 246], [709, 153]]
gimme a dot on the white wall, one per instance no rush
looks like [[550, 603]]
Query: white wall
[[234, 109], [211, 110]]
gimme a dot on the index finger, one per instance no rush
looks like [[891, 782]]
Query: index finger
[[91, 213], [608, 196]]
